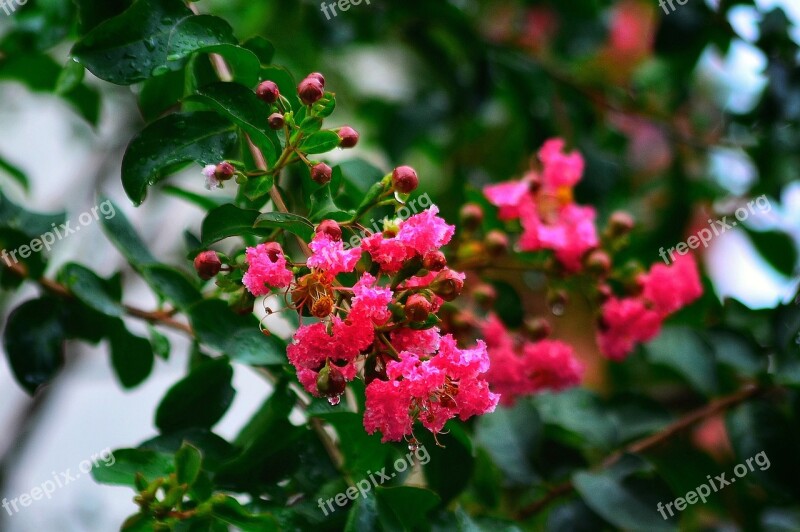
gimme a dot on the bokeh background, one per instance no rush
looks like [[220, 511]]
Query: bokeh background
[[677, 115]]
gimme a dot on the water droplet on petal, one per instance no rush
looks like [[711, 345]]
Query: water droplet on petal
[[334, 400], [557, 309]]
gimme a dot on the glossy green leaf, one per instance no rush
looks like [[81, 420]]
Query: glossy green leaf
[[34, 342], [128, 462], [122, 234], [91, 289], [237, 336], [229, 220], [320, 142], [131, 356], [686, 353], [242, 107], [199, 400], [188, 462], [510, 435], [293, 223], [170, 143]]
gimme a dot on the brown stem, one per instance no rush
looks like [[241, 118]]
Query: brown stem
[[160, 317], [650, 442]]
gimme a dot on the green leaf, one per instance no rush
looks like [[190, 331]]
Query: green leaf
[[261, 47], [199, 400], [578, 413], [625, 504], [510, 435], [320, 142], [70, 77], [160, 343], [172, 285], [242, 107], [187, 464], [34, 342], [778, 248], [148, 39], [91, 289], [237, 336], [449, 468], [161, 93], [131, 355], [32, 225], [168, 144], [405, 507], [233, 513], [258, 187], [206, 203], [16, 174], [227, 221], [366, 453], [293, 223], [122, 234], [128, 462], [682, 349]]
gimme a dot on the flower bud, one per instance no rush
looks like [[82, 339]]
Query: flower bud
[[485, 295], [405, 180], [417, 307], [434, 261], [207, 264], [621, 223], [537, 328], [276, 121], [348, 137], [268, 91], [317, 76], [224, 171], [375, 368], [497, 242], [330, 381], [330, 228], [447, 284], [598, 262], [604, 293], [321, 173], [471, 216], [310, 90], [273, 250]]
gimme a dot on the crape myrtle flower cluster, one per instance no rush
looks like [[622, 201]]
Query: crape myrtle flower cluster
[[382, 327], [543, 204]]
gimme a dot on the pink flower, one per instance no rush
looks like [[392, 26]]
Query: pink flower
[[560, 169], [425, 232], [210, 172], [508, 197], [312, 346], [266, 267], [624, 323], [330, 256], [432, 390], [371, 302], [670, 288], [390, 253], [525, 368], [422, 342], [570, 234]]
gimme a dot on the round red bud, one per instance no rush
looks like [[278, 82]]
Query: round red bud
[[434, 261], [538, 328], [224, 171], [485, 295], [471, 216], [276, 121], [497, 242], [330, 228], [417, 307], [330, 381], [447, 284], [207, 264], [268, 91], [348, 137], [621, 223], [317, 76], [274, 250], [598, 262], [310, 90], [404, 179], [321, 173]]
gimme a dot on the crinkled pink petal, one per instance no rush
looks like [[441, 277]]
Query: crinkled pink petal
[[371, 301], [626, 323], [262, 273], [670, 288], [425, 232], [330, 256], [560, 169], [507, 197], [390, 253]]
